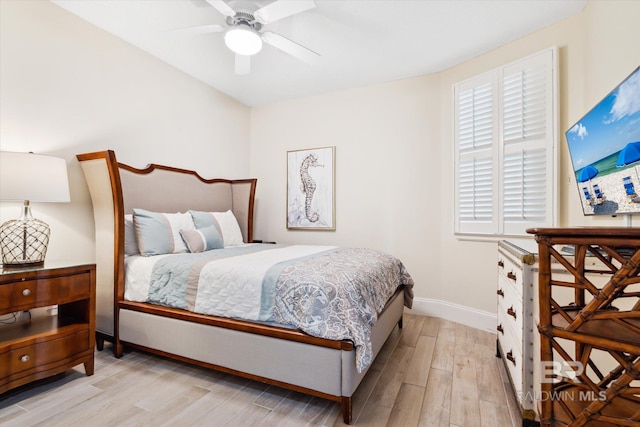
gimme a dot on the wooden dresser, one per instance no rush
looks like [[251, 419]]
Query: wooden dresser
[[589, 326], [38, 339], [515, 323]]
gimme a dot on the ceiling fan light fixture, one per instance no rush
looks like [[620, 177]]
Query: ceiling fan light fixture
[[243, 40]]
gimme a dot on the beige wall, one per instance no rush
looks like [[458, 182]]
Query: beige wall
[[394, 153], [67, 87]]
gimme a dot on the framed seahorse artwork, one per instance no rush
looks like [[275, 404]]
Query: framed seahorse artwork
[[311, 189]]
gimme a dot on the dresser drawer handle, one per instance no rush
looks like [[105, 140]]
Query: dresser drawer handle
[[500, 292], [499, 328], [511, 358], [501, 263], [511, 312], [511, 276], [24, 358], [26, 292]]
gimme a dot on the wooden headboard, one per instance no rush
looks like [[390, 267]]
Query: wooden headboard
[[117, 188]]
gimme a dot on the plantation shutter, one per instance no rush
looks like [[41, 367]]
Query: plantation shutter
[[528, 142], [476, 151], [519, 156]]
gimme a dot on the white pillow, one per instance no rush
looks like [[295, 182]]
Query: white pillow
[[231, 233]]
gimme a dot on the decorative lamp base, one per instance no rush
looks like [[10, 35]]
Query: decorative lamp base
[[24, 240]]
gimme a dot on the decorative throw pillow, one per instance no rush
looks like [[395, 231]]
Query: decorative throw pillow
[[130, 242], [159, 233], [202, 239], [225, 222]]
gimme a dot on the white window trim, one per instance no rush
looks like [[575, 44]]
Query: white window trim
[[497, 227]]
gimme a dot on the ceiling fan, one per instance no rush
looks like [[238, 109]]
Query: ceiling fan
[[244, 34]]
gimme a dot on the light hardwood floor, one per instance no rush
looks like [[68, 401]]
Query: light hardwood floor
[[432, 373]]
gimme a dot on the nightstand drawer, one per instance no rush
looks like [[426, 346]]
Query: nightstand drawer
[[22, 295], [44, 355]]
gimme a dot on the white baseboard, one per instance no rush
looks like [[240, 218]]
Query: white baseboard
[[454, 312]]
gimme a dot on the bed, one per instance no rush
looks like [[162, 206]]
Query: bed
[[277, 345]]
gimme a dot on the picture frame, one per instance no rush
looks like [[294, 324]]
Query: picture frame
[[311, 189]]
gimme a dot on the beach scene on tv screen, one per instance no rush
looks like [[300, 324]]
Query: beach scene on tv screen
[[605, 152]]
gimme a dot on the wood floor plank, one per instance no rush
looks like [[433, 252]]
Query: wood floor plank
[[407, 407], [288, 412], [494, 415], [510, 398], [444, 349], [436, 404], [271, 397], [10, 412], [373, 415], [418, 369], [465, 408], [412, 325], [431, 326], [158, 415], [315, 413], [232, 409], [51, 406], [388, 385], [433, 372], [489, 381], [465, 339]]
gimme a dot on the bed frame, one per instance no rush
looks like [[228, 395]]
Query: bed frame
[[273, 355]]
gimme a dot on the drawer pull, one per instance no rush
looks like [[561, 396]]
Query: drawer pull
[[500, 292], [24, 358], [511, 276], [26, 292], [499, 328], [501, 263], [511, 312], [511, 358]]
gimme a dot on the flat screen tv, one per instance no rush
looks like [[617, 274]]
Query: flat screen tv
[[605, 152]]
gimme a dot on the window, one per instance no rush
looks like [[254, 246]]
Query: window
[[505, 148]]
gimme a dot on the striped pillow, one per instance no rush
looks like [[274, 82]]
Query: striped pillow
[[203, 239], [225, 222], [159, 233]]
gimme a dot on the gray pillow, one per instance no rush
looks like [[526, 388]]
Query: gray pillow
[[202, 239]]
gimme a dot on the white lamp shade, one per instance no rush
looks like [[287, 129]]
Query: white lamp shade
[[243, 41], [33, 177]]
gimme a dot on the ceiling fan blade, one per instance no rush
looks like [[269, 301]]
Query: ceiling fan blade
[[290, 47], [222, 7], [201, 29], [281, 9], [243, 64]]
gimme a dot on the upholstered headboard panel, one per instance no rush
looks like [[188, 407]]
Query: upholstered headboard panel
[[117, 188], [162, 189]]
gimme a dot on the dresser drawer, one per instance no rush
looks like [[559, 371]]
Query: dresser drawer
[[511, 333], [514, 362], [510, 272], [22, 295], [43, 355], [510, 308]]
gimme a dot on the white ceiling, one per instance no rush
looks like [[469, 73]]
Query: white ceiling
[[360, 42]]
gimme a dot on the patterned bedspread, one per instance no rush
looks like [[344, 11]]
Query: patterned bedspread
[[325, 291]]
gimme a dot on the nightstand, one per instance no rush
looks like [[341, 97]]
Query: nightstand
[[45, 340]]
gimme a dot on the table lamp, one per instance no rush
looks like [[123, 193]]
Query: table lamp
[[31, 178]]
